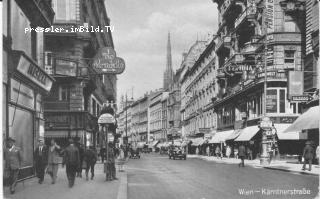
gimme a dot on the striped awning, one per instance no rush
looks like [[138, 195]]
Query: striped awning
[[220, 136]]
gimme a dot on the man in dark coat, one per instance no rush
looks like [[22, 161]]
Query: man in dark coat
[[41, 159], [102, 154], [90, 157], [308, 154], [241, 154], [110, 163], [81, 152], [72, 161], [13, 158]]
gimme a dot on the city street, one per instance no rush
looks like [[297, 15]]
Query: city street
[[155, 176]]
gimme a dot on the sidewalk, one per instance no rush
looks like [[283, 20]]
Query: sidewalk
[[275, 164], [96, 188]]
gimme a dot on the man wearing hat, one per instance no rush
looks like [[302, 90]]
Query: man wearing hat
[[13, 158], [308, 155], [72, 161], [41, 159]]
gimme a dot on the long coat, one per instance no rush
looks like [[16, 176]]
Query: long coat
[[41, 158], [53, 155], [308, 152], [71, 156], [242, 151], [90, 156], [13, 158]]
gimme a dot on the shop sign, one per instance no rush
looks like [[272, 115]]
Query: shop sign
[[106, 119], [301, 98], [269, 17], [106, 62], [34, 73], [21, 94], [272, 98], [295, 86], [239, 68]]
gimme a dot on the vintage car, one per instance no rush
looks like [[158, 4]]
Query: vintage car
[[177, 152]]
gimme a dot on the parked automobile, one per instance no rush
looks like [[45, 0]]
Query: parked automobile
[[177, 152], [134, 153]]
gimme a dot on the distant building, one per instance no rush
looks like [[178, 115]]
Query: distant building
[[168, 73]]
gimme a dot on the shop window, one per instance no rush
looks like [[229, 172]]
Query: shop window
[[64, 93], [289, 24], [296, 108], [272, 101], [289, 56]]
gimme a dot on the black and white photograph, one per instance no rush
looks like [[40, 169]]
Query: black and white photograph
[[170, 99]]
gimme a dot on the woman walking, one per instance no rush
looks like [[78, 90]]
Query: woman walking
[[53, 160], [121, 159]]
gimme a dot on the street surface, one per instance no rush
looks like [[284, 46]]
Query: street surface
[[157, 177]]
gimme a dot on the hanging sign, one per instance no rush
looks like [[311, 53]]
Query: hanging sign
[[106, 119], [106, 62]]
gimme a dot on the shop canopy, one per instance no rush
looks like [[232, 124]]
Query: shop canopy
[[296, 135], [308, 120], [140, 144], [234, 134], [220, 136], [247, 133], [197, 141], [154, 143], [177, 142]]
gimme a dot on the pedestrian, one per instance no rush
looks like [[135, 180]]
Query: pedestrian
[[121, 159], [71, 159], [90, 159], [208, 151], [308, 154], [13, 158], [236, 152], [81, 153], [197, 151], [110, 170], [102, 154], [218, 152], [228, 151], [249, 153], [41, 160], [53, 160], [241, 154]]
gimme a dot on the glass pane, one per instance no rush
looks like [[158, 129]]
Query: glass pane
[[282, 101], [60, 12], [272, 99], [289, 26], [21, 129]]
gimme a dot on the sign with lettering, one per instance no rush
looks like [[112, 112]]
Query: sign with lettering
[[295, 84], [269, 17], [301, 98], [239, 68], [106, 119], [34, 73], [106, 62]]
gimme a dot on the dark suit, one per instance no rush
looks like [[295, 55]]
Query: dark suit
[[72, 161], [13, 160], [41, 161], [90, 157], [308, 154], [242, 154]]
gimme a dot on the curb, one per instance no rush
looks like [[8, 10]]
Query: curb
[[123, 188], [266, 167]]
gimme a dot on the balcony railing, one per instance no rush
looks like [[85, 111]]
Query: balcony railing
[[57, 105], [249, 12], [39, 12], [224, 41], [225, 6]]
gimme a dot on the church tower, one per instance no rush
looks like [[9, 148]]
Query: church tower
[[168, 73]]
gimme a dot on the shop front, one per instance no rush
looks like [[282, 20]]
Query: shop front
[[28, 84]]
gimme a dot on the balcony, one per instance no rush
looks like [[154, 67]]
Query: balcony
[[272, 76], [39, 12], [225, 6], [248, 13], [284, 37], [223, 42]]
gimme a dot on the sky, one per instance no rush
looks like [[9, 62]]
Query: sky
[[140, 37]]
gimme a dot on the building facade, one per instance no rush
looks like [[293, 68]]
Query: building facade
[[77, 96], [254, 37], [155, 120], [25, 82]]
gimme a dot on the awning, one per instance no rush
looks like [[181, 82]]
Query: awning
[[177, 142], [247, 133], [308, 120], [234, 134], [197, 141], [220, 137], [140, 144], [297, 135], [154, 143]]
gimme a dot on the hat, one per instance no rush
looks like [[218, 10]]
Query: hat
[[9, 139], [308, 143]]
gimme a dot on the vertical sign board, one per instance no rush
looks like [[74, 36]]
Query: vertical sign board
[[269, 18], [295, 83], [272, 99]]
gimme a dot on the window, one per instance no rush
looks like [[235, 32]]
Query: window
[[272, 101], [94, 107], [289, 24], [34, 45], [282, 101], [289, 56], [64, 93], [64, 9]]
